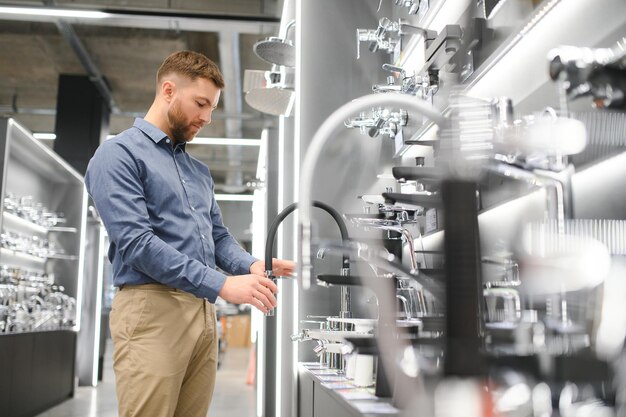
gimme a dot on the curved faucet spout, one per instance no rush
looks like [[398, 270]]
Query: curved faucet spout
[[271, 235], [323, 134]]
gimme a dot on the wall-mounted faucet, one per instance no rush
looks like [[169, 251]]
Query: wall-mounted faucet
[[422, 86], [600, 73], [414, 6], [388, 34], [382, 121]]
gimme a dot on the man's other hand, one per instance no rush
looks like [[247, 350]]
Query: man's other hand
[[253, 289]]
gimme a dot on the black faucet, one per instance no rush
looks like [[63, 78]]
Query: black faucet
[[271, 236]]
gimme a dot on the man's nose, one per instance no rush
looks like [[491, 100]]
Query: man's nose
[[205, 117]]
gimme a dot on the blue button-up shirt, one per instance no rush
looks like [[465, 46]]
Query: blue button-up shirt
[[158, 206]]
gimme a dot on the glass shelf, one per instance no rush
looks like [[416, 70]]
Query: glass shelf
[[20, 222], [20, 254], [24, 255]]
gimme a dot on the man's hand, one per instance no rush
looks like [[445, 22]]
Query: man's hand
[[252, 289], [280, 268]]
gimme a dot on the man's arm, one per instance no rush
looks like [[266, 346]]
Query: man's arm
[[229, 255]]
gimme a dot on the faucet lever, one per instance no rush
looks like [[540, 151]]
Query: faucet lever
[[383, 121], [385, 37], [300, 337], [394, 68]]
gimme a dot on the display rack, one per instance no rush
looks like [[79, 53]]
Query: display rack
[[510, 60], [42, 220]]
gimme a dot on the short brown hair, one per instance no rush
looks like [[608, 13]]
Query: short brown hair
[[191, 64]]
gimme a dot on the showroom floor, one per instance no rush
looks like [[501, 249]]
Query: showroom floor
[[232, 396]]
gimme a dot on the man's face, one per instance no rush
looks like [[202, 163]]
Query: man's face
[[191, 108]]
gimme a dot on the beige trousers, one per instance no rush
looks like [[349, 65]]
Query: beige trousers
[[165, 352]]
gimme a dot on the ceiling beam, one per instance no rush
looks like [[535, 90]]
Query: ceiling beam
[[143, 19], [44, 111]]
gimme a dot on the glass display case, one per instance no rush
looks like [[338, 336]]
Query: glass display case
[[42, 224]]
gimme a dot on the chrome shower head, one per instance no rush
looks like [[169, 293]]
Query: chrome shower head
[[276, 51], [276, 100]]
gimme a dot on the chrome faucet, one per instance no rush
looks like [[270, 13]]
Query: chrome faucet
[[388, 34], [391, 86], [422, 86], [591, 72], [381, 122], [414, 6], [558, 187]]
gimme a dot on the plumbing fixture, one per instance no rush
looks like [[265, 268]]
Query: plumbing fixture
[[388, 35], [345, 265], [393, 347], [422, 86], [413, 6], [277, 50], [318, 143], [600, 73], [382, 122], [270, 91]]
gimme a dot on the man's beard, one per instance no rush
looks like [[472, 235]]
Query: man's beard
[[178, 124]]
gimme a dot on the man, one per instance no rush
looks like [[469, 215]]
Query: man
[[167, 237]]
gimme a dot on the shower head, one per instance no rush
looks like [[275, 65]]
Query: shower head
[[276, 100], [254, 79], [276, 51]]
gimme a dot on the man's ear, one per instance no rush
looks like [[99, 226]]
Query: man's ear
[[168, 88]]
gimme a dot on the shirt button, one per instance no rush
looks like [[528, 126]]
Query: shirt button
[[201, 236], [193, 209], [167, 141], [184, 182]]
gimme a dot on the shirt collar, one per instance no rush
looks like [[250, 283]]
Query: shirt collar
[[153, 132]]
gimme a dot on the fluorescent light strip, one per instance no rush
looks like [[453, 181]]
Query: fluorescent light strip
[[102, 253], [45, 136], [81, 260], [234, 197], [44, 11], [226, 141]]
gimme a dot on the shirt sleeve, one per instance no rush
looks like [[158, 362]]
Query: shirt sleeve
[[113, 180], [229, 255]]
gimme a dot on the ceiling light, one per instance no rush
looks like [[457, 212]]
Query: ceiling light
[[45, 136], [226, 141], [44, 11], [234, 197]]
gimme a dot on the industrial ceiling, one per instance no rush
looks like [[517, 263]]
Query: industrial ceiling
[[122, 52]]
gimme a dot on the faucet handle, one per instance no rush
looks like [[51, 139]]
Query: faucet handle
[[364, 35], [300, 337], [394, 68], [377, 127], [390, 86], [361, 122]]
